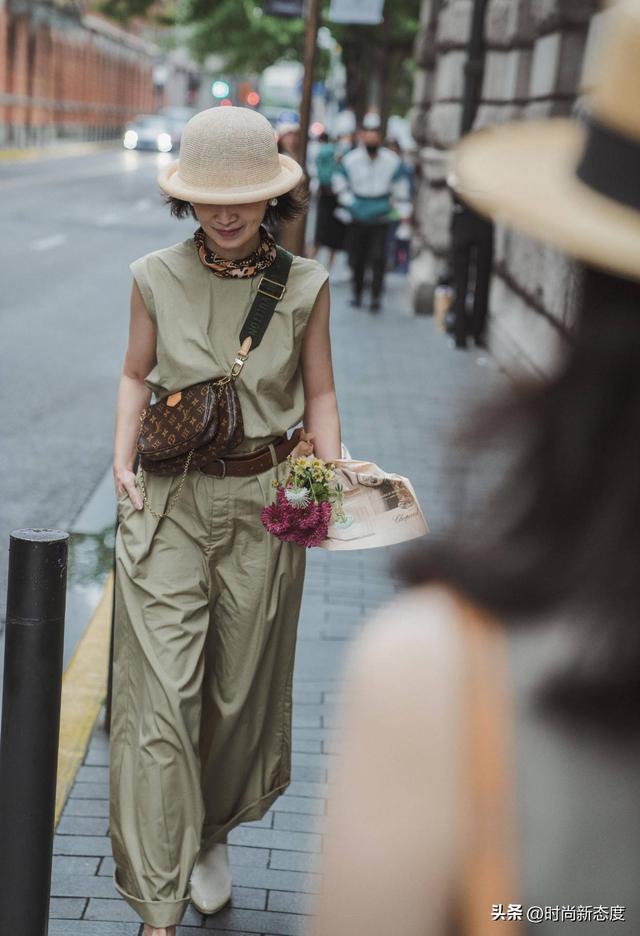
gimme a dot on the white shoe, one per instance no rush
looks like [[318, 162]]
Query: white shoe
[[211, 879]]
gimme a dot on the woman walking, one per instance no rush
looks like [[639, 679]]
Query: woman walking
[[207, 602], [330, 231]]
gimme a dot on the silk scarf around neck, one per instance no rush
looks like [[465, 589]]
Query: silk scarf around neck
[[261, 259]]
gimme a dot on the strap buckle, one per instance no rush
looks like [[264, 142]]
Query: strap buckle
[[271, 295], [224, 467], [238, 364]]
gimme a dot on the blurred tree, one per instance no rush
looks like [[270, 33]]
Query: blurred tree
[[378, 59]]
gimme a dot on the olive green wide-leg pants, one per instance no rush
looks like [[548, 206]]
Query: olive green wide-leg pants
[[206, 614]]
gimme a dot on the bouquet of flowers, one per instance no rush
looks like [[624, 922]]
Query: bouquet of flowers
[[306, 503]]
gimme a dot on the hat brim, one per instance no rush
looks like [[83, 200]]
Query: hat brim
[[289, 176], [523, 174]]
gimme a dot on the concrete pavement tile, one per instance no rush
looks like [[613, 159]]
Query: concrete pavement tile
[[82, 885], [81, 845], [82, 825], [299, 822], [63, 864], [295, 861], [91, 928], [273, 879], [90, 790], [298, 804], [256, 921], [270, 838], [66, 908], [86, 807], [287, 902]]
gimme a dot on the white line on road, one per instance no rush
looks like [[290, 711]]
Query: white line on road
[[106, 220], [46, 243]]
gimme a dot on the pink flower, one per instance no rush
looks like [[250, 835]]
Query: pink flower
[[306, 526]]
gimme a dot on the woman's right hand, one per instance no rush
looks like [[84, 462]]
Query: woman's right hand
[[125, 481]]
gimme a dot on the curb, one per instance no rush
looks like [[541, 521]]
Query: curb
[[30, 153], [84, 688]]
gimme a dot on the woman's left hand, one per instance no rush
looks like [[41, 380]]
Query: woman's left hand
[[304, 446]]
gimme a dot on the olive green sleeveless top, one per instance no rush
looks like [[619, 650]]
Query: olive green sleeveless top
[[198, 316]]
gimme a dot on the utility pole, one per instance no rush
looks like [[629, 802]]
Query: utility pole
[[310, 46], [292, 234]]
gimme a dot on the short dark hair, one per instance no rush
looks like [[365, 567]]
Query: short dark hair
[[290, 206], [563, 535]]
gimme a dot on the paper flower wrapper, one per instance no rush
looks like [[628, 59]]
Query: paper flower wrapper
[[380, 508]]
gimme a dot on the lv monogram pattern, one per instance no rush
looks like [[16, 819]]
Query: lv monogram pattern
[[207, 418]]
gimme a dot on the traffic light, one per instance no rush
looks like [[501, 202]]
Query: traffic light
[[220, 88], [247, 94]]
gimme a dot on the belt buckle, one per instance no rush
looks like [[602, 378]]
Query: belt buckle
[[213, 460]]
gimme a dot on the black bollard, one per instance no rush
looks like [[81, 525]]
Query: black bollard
[[34, 641]]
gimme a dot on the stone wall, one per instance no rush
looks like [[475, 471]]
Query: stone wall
[[66, 74], [535, 66]]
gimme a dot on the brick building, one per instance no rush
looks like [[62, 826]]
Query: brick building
[[66, 73], [536, 63]]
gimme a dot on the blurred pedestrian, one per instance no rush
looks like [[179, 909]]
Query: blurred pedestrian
[[330, 231], [399, 236], [290, 234], [288, 135], [206, 601], [491, 750], [368, 181]]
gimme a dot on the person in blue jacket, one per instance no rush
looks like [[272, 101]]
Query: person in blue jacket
[[369, 182]]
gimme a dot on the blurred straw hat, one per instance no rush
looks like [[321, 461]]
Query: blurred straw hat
[[572, 183], [229, 155]]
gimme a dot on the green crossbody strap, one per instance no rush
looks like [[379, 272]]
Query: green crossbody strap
[[272, 286]]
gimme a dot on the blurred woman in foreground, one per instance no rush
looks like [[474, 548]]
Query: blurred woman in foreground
[[491, 748]]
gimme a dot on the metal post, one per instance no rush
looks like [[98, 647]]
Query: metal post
[[34, 642]]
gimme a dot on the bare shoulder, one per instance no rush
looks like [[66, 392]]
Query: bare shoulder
[[167, 255], [418, 632], [309, 271]]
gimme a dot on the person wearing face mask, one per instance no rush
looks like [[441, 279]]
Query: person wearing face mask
[[368, 182]]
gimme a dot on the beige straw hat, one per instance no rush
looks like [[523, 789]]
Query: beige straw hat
[[229, 155], [572, 183]]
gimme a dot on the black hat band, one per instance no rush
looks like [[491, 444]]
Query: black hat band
[[610, 164]]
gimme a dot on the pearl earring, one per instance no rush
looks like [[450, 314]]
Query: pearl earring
[[273, 202]]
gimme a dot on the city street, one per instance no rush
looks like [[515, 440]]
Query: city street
[[400, 387], [71, 227]]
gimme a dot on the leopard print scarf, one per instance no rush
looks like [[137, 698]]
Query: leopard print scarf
[[261, 259]]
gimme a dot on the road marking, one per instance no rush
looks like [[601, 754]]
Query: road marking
[[56, 179], [84, 687], [106, 220], [46, 243]]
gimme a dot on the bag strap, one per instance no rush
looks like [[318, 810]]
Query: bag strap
[[271, 289], [491, 876], [272, 286]]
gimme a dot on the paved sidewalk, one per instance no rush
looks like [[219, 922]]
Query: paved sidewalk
[[397, 380]]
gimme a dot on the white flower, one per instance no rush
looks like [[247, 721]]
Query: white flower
[[297, 497]]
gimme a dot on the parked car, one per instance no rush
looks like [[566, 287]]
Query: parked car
[[151, 132], [178, 117]]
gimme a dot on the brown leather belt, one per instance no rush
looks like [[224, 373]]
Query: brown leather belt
[[252, 463]]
